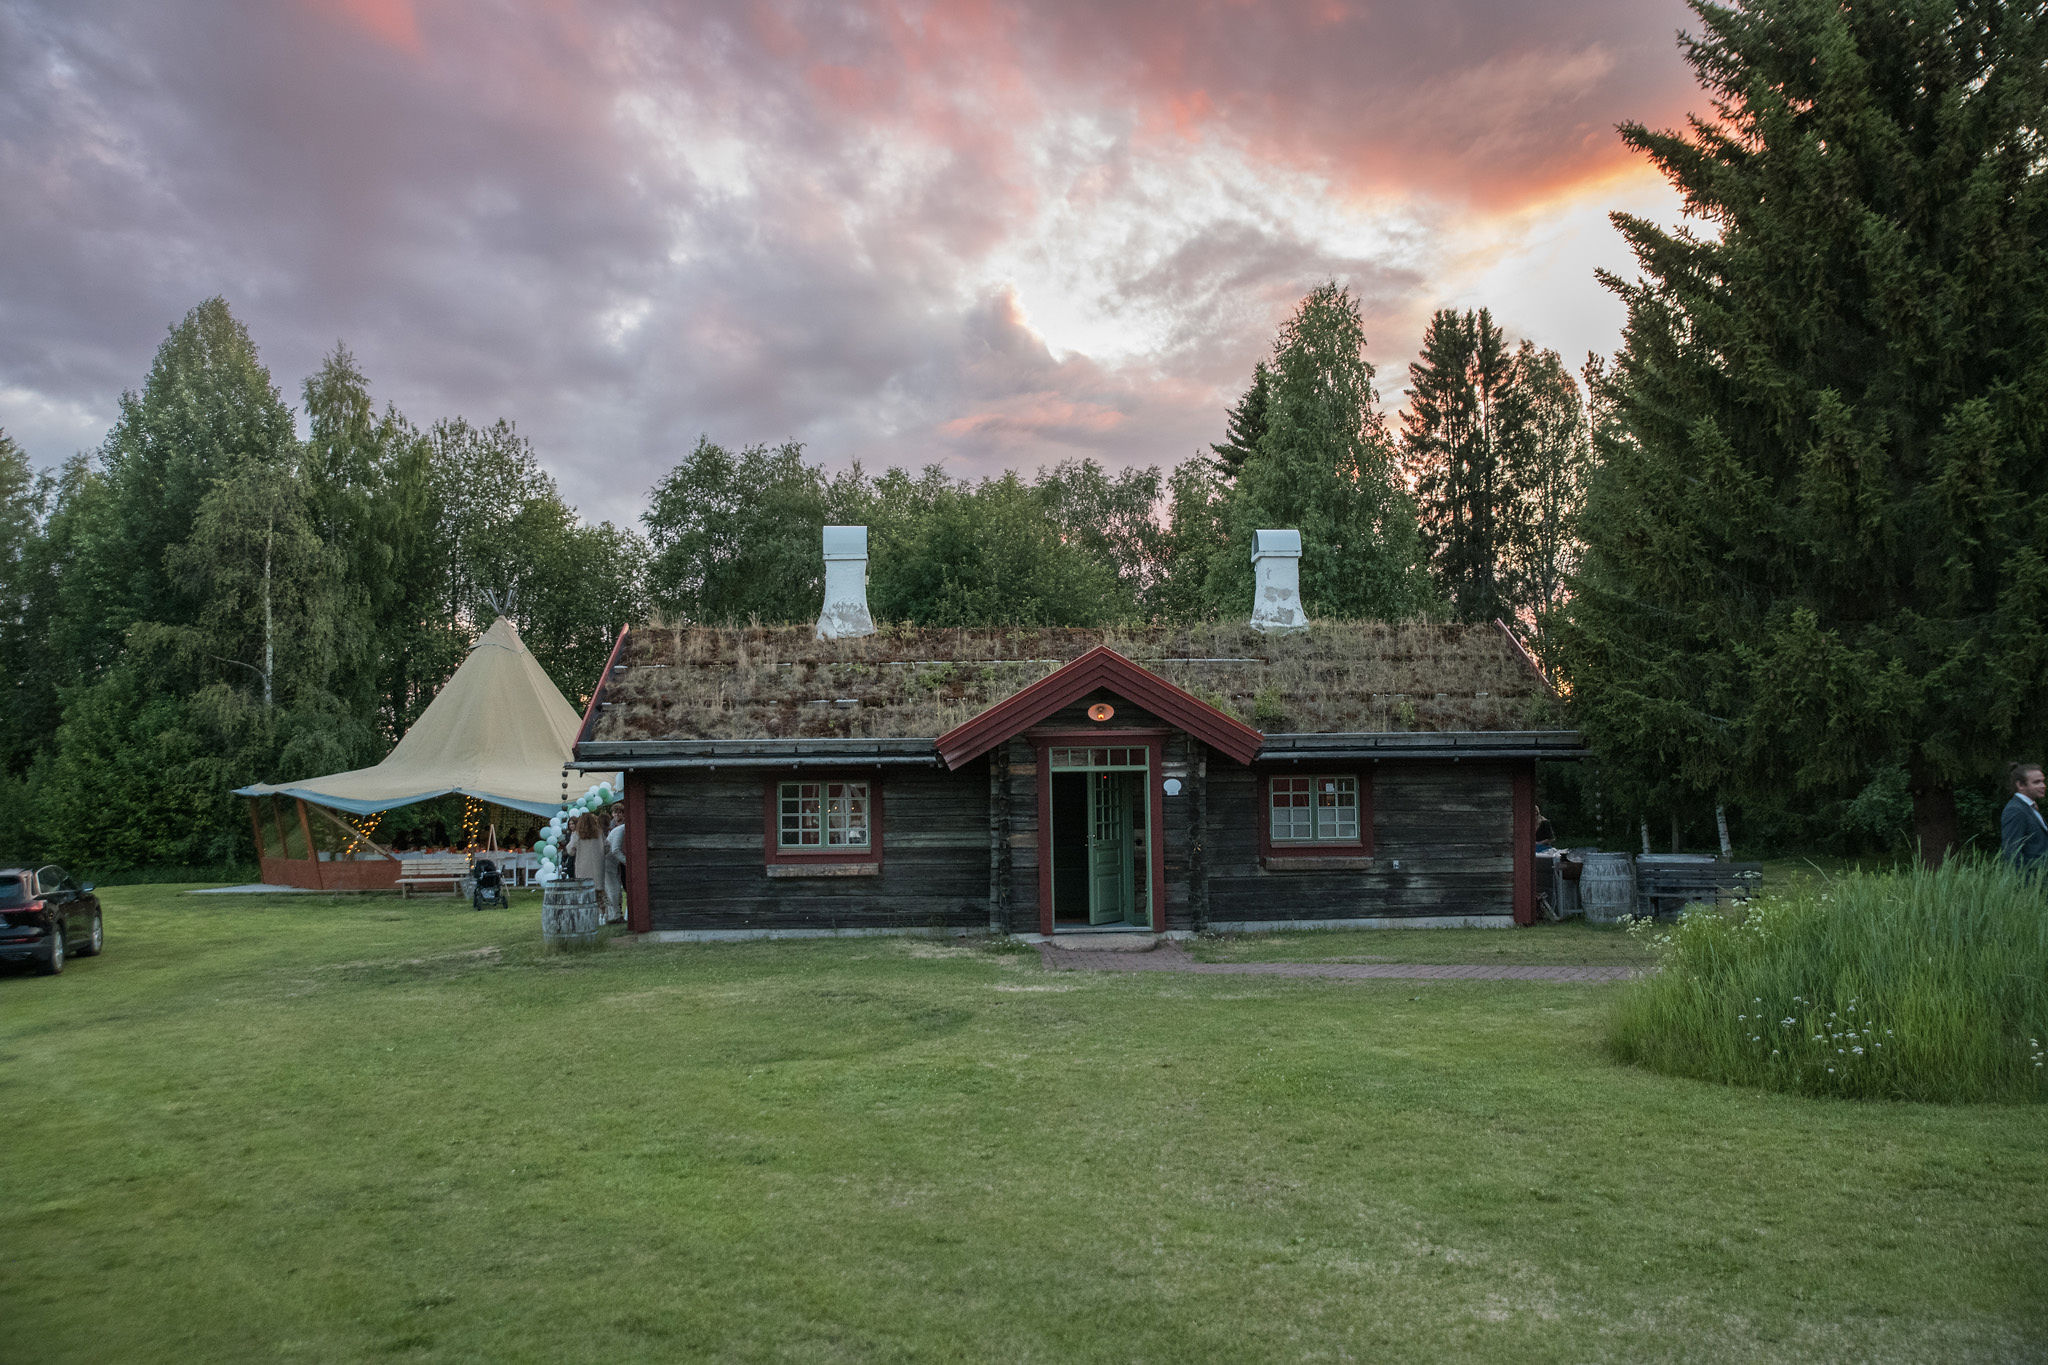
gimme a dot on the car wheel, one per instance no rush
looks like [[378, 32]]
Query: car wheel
[[54, 963], [99, 936]]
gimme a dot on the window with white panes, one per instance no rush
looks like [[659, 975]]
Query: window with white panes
[[823, 816], [1313, 809]]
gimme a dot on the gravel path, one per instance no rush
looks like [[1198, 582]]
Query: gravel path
[[1171, 958]]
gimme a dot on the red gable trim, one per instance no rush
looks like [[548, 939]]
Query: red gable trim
[[597, 693], [1100, 667]]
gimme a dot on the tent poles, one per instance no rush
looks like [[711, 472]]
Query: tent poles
[[306, 828], [350, 830]]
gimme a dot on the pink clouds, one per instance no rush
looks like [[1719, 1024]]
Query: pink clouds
[[985, 231], [392, 22]]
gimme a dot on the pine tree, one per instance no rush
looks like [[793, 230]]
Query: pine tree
[[1465, 419], [1818, 533], [1245, 423], [1493, 440], [1324, 466], [207, 408]]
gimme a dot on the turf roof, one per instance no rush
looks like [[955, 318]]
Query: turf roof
[[695, 682]]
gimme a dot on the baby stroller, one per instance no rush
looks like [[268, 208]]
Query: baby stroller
[[490, 885]]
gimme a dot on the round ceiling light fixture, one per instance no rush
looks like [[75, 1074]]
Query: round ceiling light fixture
[[1101, 711]]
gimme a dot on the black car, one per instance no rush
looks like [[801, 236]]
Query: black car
[[46, 917]]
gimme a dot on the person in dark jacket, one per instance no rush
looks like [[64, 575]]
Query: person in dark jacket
[[2022, 828]]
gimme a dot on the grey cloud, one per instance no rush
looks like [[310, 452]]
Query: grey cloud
[[509, 221]]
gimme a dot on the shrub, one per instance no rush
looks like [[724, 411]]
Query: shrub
[[1912, 985]]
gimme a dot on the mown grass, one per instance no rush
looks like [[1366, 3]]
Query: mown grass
[[1573, 943], [298, 1128], [1910, 984]]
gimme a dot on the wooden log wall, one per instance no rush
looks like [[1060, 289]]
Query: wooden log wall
[[1450, 825], [1014, 813], [1020, 842], [706, 868]]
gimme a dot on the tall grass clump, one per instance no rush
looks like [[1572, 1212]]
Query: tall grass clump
[[1914, 985]]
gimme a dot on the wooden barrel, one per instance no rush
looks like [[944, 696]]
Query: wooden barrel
[[1607, 887], [568, 914]]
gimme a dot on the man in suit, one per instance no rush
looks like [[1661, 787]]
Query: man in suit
[[2022, 829]]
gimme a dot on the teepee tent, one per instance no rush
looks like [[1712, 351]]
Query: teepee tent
[[500, 731]]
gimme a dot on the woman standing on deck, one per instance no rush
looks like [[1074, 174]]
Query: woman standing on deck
[[615, 864], [587, 853]]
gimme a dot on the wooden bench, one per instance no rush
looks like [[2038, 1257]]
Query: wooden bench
[[433, 869], [1666, 887]]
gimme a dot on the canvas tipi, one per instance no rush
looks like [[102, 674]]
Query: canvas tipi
[[499, 731]]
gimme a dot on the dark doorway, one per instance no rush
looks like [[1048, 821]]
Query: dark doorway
[[1070, 848], [1100, 850]]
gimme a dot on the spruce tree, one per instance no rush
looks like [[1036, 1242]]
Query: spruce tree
[[1464, 421], [1245, 423], [1493, 441], [1817, 532], [1325, 466]]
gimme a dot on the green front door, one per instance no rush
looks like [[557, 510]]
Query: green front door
[[1109, 849]]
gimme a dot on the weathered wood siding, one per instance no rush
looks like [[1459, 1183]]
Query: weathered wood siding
[[706, 869], [1450, 825], [1015, 878], [1020, 890]]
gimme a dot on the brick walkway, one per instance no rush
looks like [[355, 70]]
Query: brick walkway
[[1172, 958]]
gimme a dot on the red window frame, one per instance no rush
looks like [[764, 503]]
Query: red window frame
[[1153, 741], [1311, 848], [774, 853]]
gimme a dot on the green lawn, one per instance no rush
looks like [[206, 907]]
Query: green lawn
[[311, 1129], [1573, 943]]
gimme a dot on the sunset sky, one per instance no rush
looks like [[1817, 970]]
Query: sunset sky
[[985, 234]]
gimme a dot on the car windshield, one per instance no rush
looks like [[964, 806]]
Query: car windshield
[[13, 890]]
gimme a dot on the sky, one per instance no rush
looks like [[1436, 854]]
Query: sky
[[980, 234]]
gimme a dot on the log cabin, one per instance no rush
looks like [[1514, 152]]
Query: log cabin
[[848, 779]]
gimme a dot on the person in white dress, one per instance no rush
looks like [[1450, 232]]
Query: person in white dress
[[588, 857], [615, 865]]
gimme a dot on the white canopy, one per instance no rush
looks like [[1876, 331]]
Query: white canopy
[[500, 731]]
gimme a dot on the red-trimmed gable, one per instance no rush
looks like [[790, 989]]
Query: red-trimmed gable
[[1101, 667]]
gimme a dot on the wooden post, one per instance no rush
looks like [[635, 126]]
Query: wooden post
[[995, 839], [1525, 842], [1198, 852], [306, 828], [1042, 751], [640, 908]]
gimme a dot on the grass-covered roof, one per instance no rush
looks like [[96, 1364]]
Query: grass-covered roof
[[693, 682]]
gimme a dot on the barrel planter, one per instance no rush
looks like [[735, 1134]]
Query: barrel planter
[[568, 914], [1607, 887]]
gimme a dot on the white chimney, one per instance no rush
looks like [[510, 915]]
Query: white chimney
[[1276, 581], [846, 584]]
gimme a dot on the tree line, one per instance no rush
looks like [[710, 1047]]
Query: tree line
[[210, 599], [734, 536], [1785, 550]]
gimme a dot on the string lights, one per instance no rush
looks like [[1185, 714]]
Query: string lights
[[472, 822], [364, 826]]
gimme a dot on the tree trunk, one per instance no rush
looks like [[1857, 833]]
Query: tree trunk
[[269, 623], [1721, 828], [1646, 834], [1674, 832], [1936, 832]]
